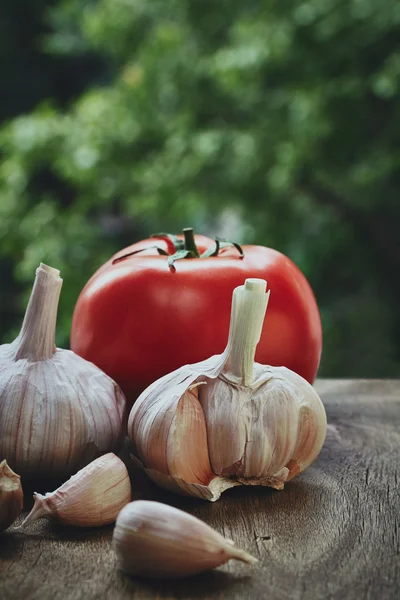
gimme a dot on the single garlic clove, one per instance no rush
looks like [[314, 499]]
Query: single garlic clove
[[312, 424], [156, 540], [226, 409], [11, 496], [180, 447], [91, 498]]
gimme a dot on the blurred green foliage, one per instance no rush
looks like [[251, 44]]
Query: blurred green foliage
[[273, 122]]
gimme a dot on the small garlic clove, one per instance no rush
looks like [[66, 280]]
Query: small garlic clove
[[178, 447], [187, 450], [156, 540], [312, 424], [91, 498], [11, 496], [225, 408]]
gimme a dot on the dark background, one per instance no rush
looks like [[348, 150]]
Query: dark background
[[263, 121]]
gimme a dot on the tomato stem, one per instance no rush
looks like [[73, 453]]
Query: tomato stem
[[190, 244], [186, 248]]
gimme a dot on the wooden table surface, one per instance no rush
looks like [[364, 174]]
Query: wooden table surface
[[333, 532]]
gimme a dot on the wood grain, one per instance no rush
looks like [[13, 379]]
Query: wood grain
[[332, 533]]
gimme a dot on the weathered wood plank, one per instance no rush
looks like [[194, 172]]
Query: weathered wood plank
[[334, 532]]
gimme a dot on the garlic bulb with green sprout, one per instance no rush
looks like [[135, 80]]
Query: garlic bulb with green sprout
[[57, 411], [227, 420]]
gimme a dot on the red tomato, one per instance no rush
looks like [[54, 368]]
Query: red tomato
[[137, 319]]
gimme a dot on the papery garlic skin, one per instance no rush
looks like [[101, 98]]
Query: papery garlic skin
[[227, 420], [91, 498], [154, 540], [57, 415], [11, 496], [57, 410]]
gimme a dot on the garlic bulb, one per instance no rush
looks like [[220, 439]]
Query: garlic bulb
[[228, 421], [57, 411], [92, 497], [155, 540], [11, 496]]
